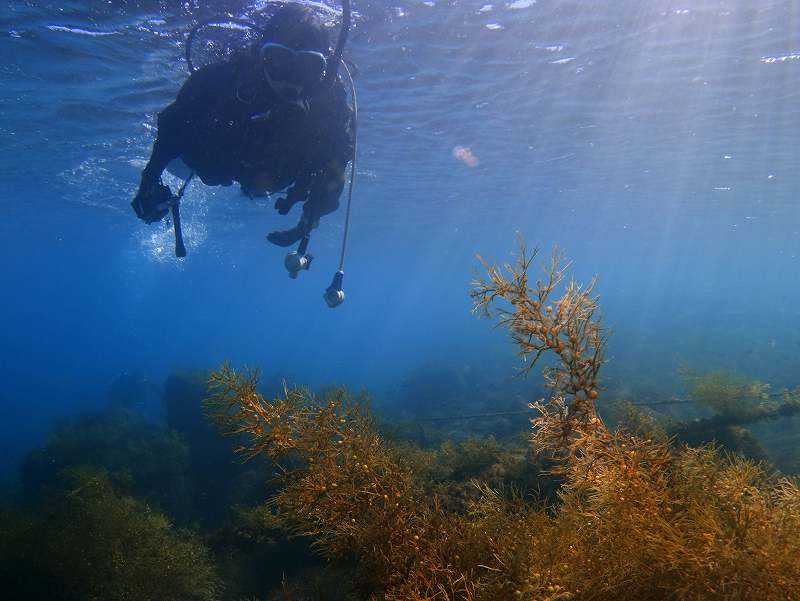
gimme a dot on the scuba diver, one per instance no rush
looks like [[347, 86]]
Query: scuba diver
[[272, 117]]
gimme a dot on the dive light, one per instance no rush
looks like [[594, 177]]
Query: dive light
[[334, 295]]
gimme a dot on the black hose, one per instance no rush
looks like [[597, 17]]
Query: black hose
[[336, 58], [352, 168], [180, 249]]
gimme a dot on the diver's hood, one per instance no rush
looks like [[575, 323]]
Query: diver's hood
[[248, 32]]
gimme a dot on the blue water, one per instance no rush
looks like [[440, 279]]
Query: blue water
[[655, 142]]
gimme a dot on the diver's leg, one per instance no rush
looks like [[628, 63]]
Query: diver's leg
[[323, 199]]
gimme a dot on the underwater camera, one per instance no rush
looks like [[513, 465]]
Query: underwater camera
[[295, 263], [298, 260]]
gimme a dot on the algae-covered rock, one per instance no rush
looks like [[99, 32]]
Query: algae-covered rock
[[119, 441], [91, 543], [728, 395]]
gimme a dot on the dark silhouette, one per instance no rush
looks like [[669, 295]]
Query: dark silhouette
[[269, 118]]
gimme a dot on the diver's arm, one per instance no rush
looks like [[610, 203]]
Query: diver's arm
[[198, 95], [167, 145], [178, 130], [159, 159], [153, 196]]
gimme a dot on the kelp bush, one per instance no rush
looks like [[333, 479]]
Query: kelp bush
[[733, 412], [727, 408], [179, 472], [90, 542], [449, 470], [182, 467], [636, 518], [728, 395], [116, 440]]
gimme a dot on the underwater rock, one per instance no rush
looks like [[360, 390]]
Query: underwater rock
[[217, 480], [118, 441]]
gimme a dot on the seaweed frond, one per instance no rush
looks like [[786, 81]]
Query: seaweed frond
[[727, 395], [636, 518], [338, 482], [551, 315]]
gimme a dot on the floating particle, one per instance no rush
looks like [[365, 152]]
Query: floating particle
[[465, 155]]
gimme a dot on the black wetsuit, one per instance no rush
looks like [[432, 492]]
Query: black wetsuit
[[226, 129]]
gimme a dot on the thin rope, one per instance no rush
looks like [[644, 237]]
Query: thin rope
[[530, 411], [672, 401], [352, 165]]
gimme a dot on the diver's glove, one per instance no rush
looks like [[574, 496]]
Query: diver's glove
[[153, 202], [297, 233], [287, 237]]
